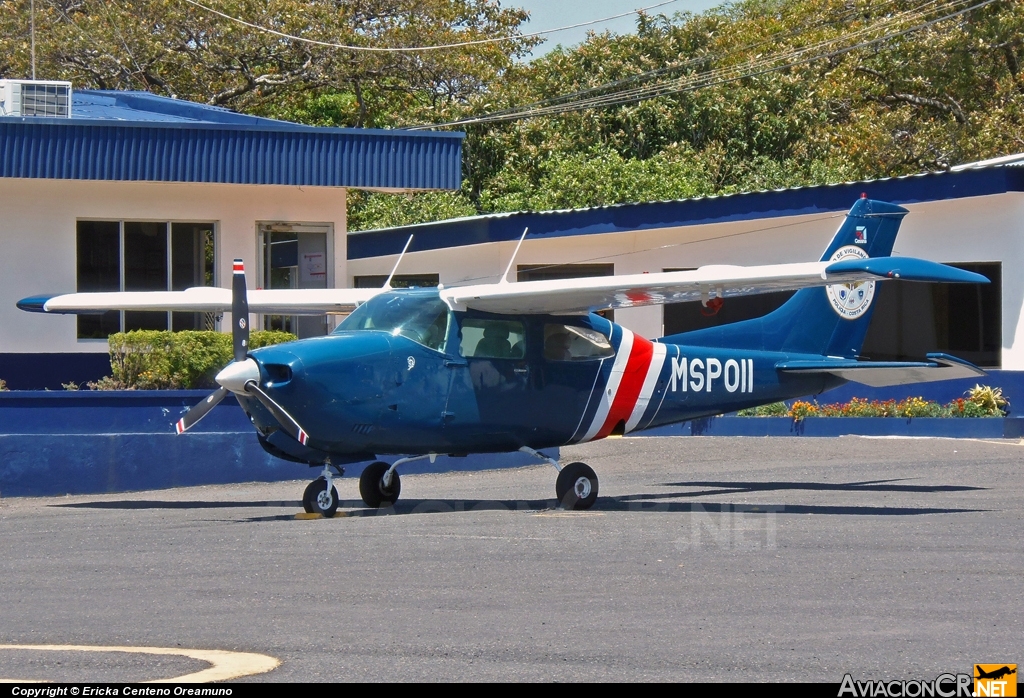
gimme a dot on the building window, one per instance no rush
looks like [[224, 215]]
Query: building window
[[143, 256]]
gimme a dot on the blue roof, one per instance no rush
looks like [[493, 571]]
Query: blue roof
[[137, 136], [131, 106], [500, 227]]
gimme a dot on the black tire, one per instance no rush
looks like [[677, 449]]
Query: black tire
[[320, 502], [576, 487], [371, 486], [312, 489]]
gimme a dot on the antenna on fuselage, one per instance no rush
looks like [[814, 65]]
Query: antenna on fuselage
[[387, 284], [504, 277]]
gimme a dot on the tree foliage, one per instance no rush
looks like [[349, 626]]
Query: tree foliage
[[949, 93], [174, 48]]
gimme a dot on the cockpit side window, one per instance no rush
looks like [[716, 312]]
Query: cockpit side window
[[423, 319]]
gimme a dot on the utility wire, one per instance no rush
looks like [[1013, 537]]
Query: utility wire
[[753, 68], [640, 77], [708, 78], [730, 73], [413, 49]]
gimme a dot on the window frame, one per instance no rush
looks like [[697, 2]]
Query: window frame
[[169, 224]]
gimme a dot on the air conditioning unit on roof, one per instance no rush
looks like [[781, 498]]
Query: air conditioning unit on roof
[[35, 98]]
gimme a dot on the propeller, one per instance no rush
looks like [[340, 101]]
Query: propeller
[[241, 376]]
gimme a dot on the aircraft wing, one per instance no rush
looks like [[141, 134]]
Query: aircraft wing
[[206, 300], [627, 291], [880, 374]]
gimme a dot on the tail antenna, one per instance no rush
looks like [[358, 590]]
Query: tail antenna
[[508, 269], [387, 284]]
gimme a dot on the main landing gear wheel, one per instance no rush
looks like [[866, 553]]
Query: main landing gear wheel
[[372, 489], [576, 487], [317, 500]]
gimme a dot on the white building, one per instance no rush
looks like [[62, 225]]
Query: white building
[[130, 191]]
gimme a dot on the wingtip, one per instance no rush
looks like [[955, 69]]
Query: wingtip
[[179, 427], [34, 304]]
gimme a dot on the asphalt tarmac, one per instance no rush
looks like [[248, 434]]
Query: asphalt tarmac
[[704, 559]]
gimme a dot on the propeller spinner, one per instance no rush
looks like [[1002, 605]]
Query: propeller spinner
[[241, 376]]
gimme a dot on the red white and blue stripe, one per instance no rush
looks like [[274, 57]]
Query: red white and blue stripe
[[623, 394]]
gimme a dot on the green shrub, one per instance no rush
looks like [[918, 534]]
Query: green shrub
[[160, 360], [266, 338], [989, 399], [776, 409]]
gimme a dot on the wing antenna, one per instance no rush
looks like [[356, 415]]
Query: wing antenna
[[387, 284], [504, 277]]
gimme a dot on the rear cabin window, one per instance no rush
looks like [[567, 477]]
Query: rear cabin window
[[493, 339]]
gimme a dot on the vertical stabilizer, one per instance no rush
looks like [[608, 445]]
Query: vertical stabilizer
[[830, 321]]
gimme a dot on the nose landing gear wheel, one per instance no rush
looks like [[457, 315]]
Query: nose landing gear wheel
[[372, 489], [576, 487], [317, 500]]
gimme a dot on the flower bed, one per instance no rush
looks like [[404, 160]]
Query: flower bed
[[980, 401]]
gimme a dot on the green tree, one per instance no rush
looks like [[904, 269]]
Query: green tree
[[175, 48]]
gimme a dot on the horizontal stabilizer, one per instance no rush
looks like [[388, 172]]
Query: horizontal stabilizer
[[907, 269], [880, 374]]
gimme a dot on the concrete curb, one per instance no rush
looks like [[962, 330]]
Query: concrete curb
[[971, 428]]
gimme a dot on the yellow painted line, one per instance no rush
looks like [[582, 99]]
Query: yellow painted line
[[224, 665], [303, 516]]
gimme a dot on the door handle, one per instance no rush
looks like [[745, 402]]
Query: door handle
[[454, 363]]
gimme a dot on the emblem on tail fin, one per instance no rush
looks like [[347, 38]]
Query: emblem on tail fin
[[850, 301]]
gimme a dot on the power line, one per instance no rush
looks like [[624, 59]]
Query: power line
[[412, 49], [639, 77], [717, 76], [692, 82]]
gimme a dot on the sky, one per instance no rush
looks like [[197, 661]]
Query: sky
[[550, 14]]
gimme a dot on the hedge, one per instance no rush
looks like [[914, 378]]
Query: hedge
[[162, 360]]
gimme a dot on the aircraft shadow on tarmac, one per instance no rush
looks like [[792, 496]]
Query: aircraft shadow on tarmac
[[629, 503], [863, 486], [190, 504], [648, 502]]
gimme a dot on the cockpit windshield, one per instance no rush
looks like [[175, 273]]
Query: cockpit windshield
[[423, 318]]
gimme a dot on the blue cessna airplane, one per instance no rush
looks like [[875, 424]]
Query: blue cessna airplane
[[527, 366]]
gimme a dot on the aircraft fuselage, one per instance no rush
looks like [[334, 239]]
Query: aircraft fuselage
[[495, 383]]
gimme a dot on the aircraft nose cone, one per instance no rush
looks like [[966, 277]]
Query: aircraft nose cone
[[236, 374]]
